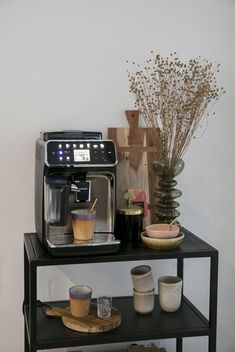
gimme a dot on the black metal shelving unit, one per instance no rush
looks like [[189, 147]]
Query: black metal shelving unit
[[42, 332]]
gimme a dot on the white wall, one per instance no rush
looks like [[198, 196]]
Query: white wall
[[62, 65]]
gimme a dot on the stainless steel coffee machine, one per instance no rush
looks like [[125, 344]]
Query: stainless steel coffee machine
[[72, 169]]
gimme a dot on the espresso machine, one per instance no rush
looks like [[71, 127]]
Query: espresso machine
[[72, 169]]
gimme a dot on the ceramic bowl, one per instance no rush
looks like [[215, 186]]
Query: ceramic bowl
[[162, 231], [161, 243]]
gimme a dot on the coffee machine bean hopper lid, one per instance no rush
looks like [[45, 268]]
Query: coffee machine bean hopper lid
[[69, 134]]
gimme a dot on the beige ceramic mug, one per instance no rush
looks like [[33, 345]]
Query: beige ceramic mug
[[142, 278], [143, 301], [170, 292]]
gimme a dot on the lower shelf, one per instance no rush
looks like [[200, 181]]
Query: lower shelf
[[186, 322]]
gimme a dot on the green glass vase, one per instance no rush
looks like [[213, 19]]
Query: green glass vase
[[166, 193]]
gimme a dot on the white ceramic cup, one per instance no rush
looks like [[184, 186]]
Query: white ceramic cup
[[143, 301], [142, 278], [170, 293]]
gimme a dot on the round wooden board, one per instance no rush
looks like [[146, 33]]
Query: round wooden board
[[91, 323]]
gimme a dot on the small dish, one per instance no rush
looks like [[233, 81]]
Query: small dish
[[162, 231], [161, 243]]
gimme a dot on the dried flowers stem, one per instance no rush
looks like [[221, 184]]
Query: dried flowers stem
[[174, 97]]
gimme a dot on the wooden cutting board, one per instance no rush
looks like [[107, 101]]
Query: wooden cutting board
[[136, 151], [90, 323]]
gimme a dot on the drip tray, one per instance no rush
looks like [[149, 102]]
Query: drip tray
[[64, 245]]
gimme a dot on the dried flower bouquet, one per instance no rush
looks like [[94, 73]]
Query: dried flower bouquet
[[174, 97]]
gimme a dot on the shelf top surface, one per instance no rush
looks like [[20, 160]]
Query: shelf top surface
[[187, 321], [192, 246]]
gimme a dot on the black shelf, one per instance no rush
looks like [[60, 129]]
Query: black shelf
[[187, 321], [43, 332], [192, 246]]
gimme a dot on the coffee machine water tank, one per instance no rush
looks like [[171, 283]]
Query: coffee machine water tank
[[56, 199]]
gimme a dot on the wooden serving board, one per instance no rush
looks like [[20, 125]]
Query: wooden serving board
[[136, 151], [90, 323]]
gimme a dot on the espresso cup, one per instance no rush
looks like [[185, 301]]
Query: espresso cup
[[83, 222], [80, 299], [170, 293], [142, 278]]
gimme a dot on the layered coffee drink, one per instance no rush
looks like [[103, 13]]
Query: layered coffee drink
[[84, 223], [80, 299]]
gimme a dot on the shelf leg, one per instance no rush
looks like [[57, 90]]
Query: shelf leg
[[32, 305], [213, 302], [26, 297], [26, 341], [180, 273], [179, 344], [180, 268]]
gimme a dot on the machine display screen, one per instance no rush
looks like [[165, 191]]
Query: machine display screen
[[81, 155]]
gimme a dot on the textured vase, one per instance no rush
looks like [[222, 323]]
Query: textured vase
[[166, 193]]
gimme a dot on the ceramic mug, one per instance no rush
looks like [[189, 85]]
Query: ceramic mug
[[170, 293], [143, 301], [142, 278], [80, 299]]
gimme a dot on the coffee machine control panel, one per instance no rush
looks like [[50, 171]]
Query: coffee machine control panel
[[80, 152]]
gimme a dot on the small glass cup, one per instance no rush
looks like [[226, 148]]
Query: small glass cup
[[104, 306]]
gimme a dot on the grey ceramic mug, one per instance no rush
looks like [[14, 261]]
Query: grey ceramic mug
[[170, 292], [142, 278], [143, 301]]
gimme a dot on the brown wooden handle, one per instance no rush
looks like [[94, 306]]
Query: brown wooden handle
[[55, 311], [132, 118]]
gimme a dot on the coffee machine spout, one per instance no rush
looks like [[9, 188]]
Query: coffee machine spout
[[81, 189]]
